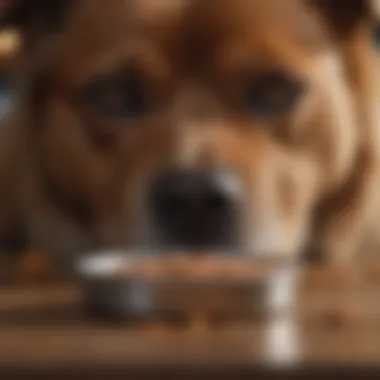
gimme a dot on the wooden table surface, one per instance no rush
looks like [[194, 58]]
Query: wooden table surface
[[336, 324]]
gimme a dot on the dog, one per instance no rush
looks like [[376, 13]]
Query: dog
[[241, 125]]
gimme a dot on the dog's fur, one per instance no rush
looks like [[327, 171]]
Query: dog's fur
[[72, 179]]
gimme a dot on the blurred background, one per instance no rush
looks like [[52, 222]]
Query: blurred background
[[8, 50]]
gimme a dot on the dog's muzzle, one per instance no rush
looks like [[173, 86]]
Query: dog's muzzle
[[197, 209]]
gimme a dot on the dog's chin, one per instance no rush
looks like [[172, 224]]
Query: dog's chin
[[234, 247], [227, 242], [241, 241]]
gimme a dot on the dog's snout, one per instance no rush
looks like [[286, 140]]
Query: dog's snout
[[198, 208], [187, 194]]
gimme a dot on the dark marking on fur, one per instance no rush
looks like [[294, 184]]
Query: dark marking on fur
[[344, 15], [77, 210]]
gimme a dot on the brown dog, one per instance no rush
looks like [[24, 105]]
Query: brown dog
[[242, 124]]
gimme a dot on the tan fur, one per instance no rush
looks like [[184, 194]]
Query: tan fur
[[312, 179]]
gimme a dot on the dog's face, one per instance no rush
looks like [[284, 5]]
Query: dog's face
[[193, 122]]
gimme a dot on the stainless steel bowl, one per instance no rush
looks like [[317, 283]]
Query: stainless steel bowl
[[108, 294]]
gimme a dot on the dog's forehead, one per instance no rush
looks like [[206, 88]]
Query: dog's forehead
[[97, 30], [210, 16]]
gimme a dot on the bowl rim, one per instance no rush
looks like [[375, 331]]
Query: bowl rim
[[102, 266]]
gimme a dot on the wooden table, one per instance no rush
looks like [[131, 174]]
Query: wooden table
[[43, 332]]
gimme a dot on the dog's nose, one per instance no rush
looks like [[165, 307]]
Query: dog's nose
[[196, 208]]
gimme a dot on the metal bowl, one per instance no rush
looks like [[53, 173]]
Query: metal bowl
[[107, 294]]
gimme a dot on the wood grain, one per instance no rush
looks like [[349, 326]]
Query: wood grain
[[42, 327]]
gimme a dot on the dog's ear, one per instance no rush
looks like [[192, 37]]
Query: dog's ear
[[345, 16], [33, 16]]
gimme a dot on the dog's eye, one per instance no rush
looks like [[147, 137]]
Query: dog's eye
[[271, 94], [376, 36], [117, 97]]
